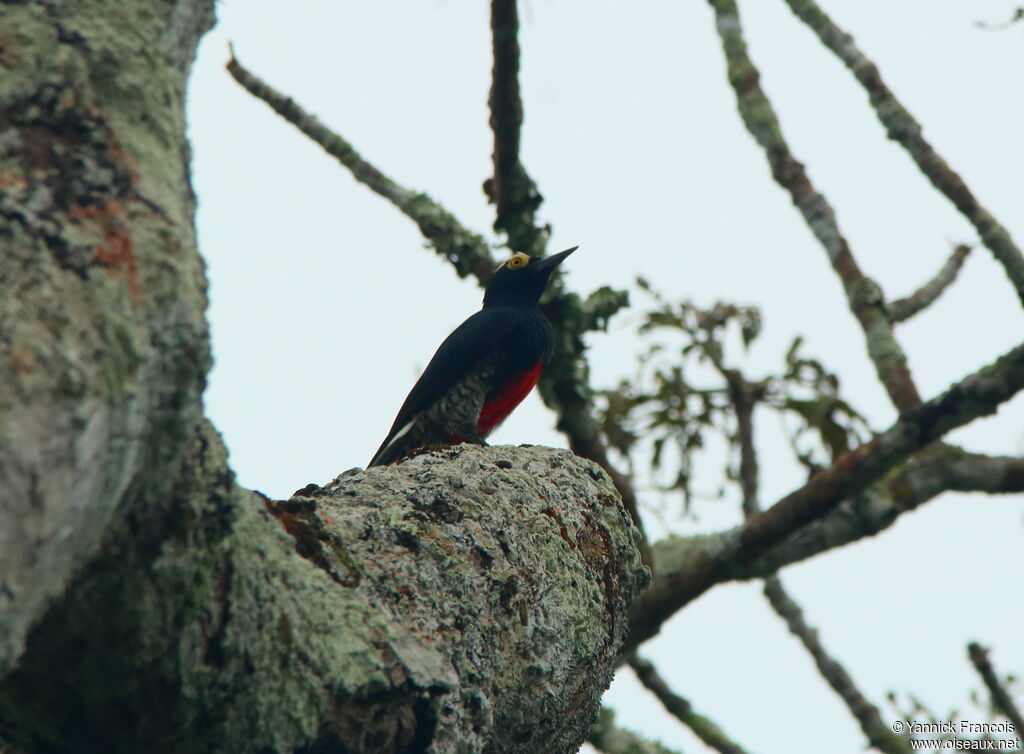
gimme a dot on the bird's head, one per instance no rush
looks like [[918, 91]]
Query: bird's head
[[522, 279]]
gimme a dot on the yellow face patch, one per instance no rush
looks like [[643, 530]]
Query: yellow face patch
[[518, 260]]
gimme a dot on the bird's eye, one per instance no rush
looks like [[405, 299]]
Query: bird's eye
[[518, 260]]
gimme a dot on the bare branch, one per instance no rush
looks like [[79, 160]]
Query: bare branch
[[975, 472], [901, 127], [928, 474], [904, 308], [863, 294], [606, 737], [465, 250], [743, 397], [680, 708], [1001, 699], [511, 189], [923, 477], [867, 715], [977, 395]]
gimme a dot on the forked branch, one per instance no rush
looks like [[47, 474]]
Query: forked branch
[[907, 132], [863, 295]]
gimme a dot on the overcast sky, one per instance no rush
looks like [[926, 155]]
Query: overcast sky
[[325, 305]]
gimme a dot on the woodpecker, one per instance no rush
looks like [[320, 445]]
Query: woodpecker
[[484, 369]]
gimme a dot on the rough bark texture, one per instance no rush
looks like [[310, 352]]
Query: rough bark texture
[[103, 347], [472, 600]]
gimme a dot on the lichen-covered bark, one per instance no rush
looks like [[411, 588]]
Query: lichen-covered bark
[[103, 346], [469, 601], [464, 601]]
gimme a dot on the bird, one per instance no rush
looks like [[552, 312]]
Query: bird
[[484, 369]]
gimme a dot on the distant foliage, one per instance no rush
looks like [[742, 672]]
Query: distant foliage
[[680, 397]]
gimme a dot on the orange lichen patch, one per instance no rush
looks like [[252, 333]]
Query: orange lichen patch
[[23, 360], [116, 252], [13, 179], [9, 55]]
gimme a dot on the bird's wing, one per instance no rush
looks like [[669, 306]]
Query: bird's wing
[[463, 349]]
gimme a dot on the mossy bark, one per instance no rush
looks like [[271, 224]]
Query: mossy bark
[[103, 344], [464, 601], [470, 600]]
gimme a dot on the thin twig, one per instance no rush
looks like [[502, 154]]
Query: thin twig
[[513, 192], [863, 295], [1001, 699], [902, 128], [465, 250], [744, 399], [680, 708], [1018, 15], [977, 395], [904, 308]]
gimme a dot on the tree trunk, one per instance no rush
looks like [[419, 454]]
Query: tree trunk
[[467, 600]]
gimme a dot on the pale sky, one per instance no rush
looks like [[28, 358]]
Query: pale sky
[[325, 306]]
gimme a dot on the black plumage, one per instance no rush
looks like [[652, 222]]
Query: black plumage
[[483, 369]]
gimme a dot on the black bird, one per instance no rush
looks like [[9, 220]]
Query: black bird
[[484, 369]]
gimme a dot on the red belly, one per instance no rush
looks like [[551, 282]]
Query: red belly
[[497, 408]]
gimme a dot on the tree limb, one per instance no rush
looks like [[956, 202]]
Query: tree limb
[[929, 473], [852, 473], [1001, 699], [975, 472], [473, 599], [926, 475], [902, 128], [863, 294], [903, 309]]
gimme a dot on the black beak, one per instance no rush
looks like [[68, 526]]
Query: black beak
[[548, 264]]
